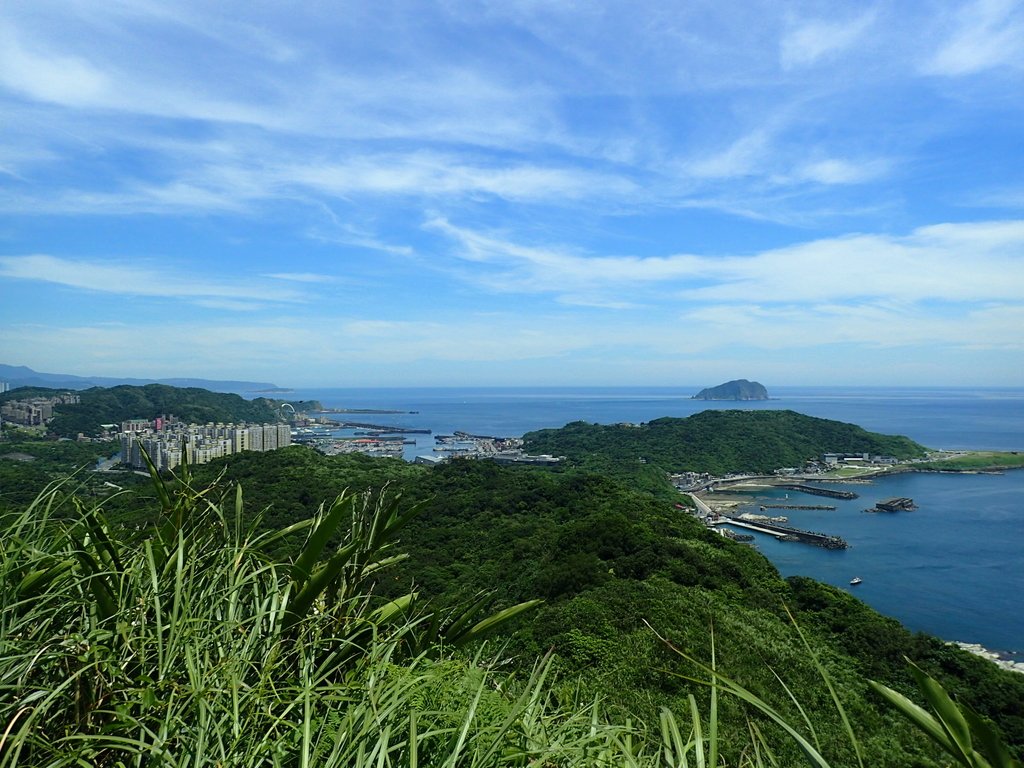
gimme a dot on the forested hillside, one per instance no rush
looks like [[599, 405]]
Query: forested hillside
[[28, 465], [101, 405], [637, 595], [612, 564], [716, 441]]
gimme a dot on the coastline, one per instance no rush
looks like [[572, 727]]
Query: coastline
[[752, 491], [998, 659]]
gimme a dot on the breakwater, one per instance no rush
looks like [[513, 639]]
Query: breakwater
[[815, 490], [382, 428], [797, 506], [786, 533]]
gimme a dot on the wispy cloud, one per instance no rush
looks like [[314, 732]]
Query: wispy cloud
[[110, 276], [839, 171], [619, 178], [807, 41], [928, 264], [237, 185], [983, 34], [302, 277], [807, 326]]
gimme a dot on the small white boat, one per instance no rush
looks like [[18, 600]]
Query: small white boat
[[856, 580]]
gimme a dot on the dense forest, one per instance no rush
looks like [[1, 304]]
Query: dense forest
[[611, 563], [639, 602], [29, 464], [716, 441]]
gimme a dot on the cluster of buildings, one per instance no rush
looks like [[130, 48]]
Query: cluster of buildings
[[34, 411], [168, 442], [501, 450]]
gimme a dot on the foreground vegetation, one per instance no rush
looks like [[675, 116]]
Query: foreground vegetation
[[173, 624], [611, 563], [189, 643]]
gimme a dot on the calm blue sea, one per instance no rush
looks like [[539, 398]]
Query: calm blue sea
[[954, 567]]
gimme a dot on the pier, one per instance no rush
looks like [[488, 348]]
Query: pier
[[382, 428], [818, 491], [785, 533], [797, 506]]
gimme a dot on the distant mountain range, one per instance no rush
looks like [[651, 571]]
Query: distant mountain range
[[23, 376]]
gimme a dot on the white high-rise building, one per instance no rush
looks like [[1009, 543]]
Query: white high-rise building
[[168, 444]]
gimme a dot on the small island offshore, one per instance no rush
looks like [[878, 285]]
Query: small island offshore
[[738, 389]]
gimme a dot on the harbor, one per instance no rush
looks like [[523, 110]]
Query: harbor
[[761, 524]]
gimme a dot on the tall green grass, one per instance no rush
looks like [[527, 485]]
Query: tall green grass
[[190, 645]]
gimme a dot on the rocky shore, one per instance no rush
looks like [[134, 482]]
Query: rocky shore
[[995, 658]]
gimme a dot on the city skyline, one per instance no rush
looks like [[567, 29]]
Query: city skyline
[[479, 194]]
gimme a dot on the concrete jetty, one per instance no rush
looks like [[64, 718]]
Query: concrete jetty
[[784, 532], [798, 506], [818, 491]]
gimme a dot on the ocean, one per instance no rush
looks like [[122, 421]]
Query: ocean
[[953, 568]]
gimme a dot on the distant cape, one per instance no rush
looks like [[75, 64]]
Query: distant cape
[[740, 389]]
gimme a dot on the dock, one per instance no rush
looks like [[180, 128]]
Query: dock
[[815, 490]]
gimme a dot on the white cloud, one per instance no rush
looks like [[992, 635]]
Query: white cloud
[[235, 185], [839, 171], [984, 34], [743, 157], [268, 350], [109, 276], [808, 41], [948, 262], [425, 174], [796, 326], [302, 277], [558, 268], [49, 76]]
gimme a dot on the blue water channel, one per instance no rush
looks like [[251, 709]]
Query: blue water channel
[[953, 567]]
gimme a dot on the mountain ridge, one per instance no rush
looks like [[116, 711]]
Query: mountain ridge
[[23, 376]]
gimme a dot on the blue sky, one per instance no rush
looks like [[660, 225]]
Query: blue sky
[[514, 193]]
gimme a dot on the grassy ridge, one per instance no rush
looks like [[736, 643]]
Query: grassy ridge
[[975, 461]]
